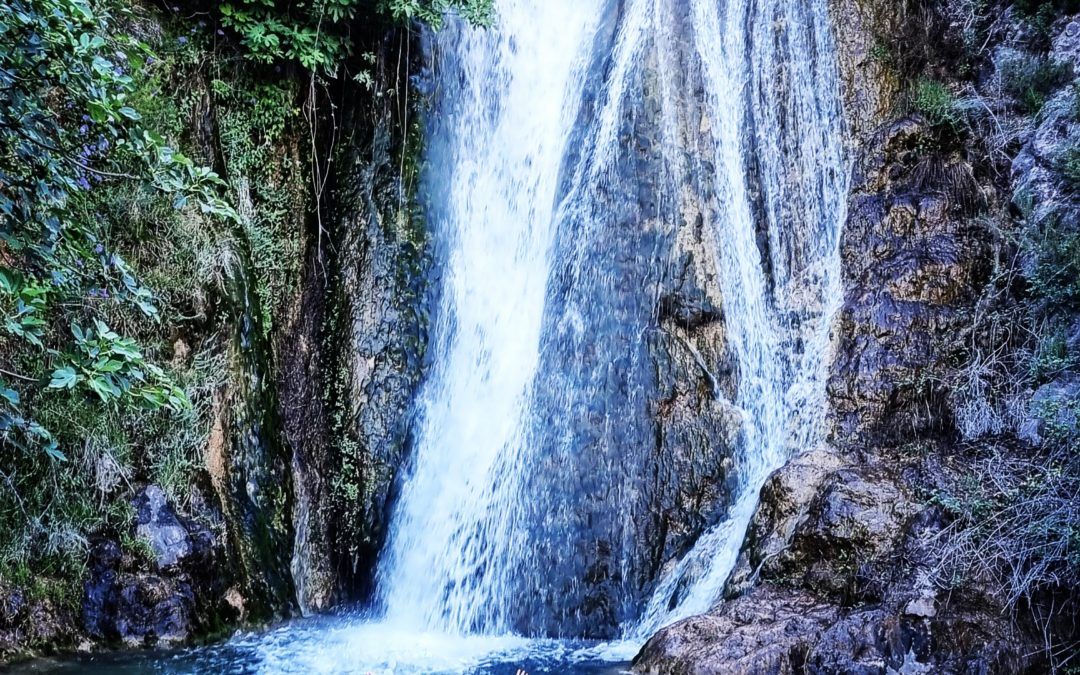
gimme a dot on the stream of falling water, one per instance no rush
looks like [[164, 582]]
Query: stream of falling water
[[517, 450], [507, 181]]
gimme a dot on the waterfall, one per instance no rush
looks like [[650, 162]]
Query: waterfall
[[786, 130], [566, 146], [507, 103]]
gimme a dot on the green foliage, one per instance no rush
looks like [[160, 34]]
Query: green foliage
[[315, 33], [1051, 356], [67, 76], [96, 209], [934, 100], [1031, 80], [113, 368]]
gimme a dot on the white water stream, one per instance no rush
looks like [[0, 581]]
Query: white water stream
[[509, 101], [526, 141]]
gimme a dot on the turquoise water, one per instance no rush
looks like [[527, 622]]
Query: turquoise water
[[352, 644]]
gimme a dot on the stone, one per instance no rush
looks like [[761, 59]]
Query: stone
[[785, 502], [156, 522], [152, 610], [1054, 408], [768, 632], [858, 517], [865, 643]]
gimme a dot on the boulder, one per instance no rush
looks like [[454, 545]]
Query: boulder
[[1053, 410], [157, 523], [784, 505], [857, 519], [768, 632], [152, 610], [128, 599]]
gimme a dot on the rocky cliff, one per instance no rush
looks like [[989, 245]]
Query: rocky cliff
[[906, 543]]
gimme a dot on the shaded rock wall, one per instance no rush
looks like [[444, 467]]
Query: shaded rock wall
[[354, 357]]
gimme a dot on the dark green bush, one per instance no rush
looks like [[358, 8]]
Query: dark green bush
[[316, 33]]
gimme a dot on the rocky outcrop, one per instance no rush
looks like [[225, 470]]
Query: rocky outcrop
[[842, 566], [354, 357], [157, 524], [849, 590], [915, 260], [767, 633], [870, 87], [785, 505], [164, 595]]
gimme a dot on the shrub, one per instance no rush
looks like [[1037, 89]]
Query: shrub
[[315, 33], [1016, 528], [1041, 14], [934, 100], [1031, 80]]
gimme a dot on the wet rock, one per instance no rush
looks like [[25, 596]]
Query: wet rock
[[30, 623], [135, 608], [869, 85], [138, 602], [99, 591], [859, 516], [785, 504], [351, 363], [156, 522], [914, 260], [768, 632], [151, 610]]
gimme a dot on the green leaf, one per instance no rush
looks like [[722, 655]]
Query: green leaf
[[64, 378], [98, 112]]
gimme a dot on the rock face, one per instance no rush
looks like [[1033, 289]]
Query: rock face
[[180, 596], [767, 633], [847, 590], [785, 505], [914, 260], [156, 523], [352, 364]]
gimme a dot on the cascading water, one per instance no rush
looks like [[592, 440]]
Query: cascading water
[[786, 132], [582, 155], [521, 426], [506, 110]]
